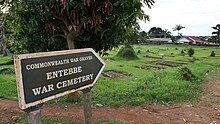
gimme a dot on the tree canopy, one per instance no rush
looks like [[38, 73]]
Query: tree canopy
[[157, 32], [44, 25], [217, 32], [178, 28]]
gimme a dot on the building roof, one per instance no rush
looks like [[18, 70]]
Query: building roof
[[159, 39], [192, 39]]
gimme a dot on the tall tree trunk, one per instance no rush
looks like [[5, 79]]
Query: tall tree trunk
[[70, 41], [73, 32]]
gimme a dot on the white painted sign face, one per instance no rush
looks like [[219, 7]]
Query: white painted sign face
[[44, 76]]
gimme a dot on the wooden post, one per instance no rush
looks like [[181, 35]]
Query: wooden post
[[34, 114], [87, 105]]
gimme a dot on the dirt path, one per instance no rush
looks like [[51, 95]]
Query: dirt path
[[212, 93], [206, 112]]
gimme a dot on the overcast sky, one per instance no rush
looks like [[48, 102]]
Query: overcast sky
[[197, 16]]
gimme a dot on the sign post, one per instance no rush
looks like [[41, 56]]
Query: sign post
[[45, 76], [34, 114], [87, 105]]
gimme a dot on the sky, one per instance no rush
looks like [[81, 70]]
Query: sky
[[197, 16]]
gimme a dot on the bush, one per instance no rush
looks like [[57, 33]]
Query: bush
[[191, 52], [186, 73], [127, 53], [212, 54], [182, 52]]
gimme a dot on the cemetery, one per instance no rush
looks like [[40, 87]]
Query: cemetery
[[145, 79], [109, 62]]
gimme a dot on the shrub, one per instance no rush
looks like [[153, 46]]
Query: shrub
[[186, 73], [127, 52], [182, 52], [212, 54], [172, 54], [191, 52]]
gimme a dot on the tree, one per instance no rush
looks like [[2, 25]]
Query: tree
[[217, 31], [166, 33], [178, 28], [99, 24], [155, 32], [3, 48], [190, 52], [143, 34]]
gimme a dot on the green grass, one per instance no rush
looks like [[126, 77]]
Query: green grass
[[146, 85], [8, 86], [160, 86]]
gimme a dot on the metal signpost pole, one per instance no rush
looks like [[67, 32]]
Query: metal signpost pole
[[87, 105], [34, 114]]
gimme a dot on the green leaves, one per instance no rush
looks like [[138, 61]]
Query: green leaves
[[100, 24], [217, 32]]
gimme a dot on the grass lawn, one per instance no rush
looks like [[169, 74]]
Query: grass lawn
[[150, 81]]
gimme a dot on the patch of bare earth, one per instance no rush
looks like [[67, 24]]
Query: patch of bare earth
[[211, 96], [206, 112], [114, 74]]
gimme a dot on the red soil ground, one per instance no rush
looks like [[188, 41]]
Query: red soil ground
[[205, 112]]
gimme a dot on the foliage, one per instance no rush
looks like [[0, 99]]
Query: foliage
[[212, 39], [166, 33], [178, 28], [186, 73], [131, 35], [190, 52], [1, 30], [126, 52], [143, 34], [157, 32], [3, 44], [212, 54], [61, 24], [217, 32], [17, 47], [182, 52]]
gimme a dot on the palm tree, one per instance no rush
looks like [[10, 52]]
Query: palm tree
[[178, 28], [217, 32], [166, 33]]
